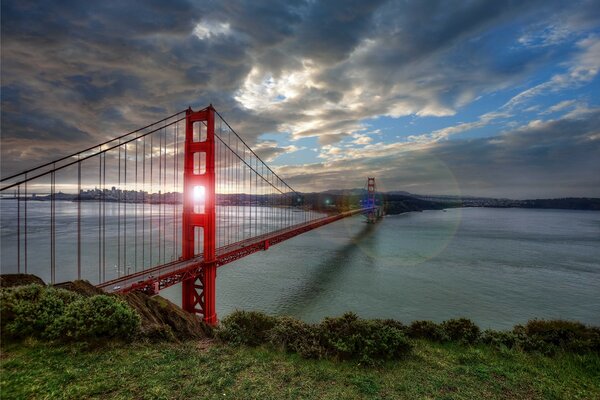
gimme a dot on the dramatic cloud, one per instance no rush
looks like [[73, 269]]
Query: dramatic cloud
[[319, 78], [559, 157]]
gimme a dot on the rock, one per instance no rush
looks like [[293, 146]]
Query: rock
[[163, 320]]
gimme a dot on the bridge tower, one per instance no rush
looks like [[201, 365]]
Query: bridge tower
[[199, 221], [374, 213]]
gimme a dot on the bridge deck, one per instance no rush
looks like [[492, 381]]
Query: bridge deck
[[163, 276]]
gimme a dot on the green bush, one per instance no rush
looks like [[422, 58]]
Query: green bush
[[546, 337], [295, 336], [461, 330], [426, 330], [96, 317], [500, 339], [567, 335], [246, 327], [30, 310], [50, 313], [392, 323], [348, 337]]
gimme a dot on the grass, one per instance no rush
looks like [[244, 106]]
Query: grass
[[37, 370]]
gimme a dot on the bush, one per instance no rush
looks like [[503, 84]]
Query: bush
[[246, 327], [500, 339], [426, 330], [349, 337], [96, 317], [30, 310], [392, 323], [346, 337], [567, 335], [50, 313], [295, 336], [461, 330]]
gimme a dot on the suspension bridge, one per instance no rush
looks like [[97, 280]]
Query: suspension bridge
[[165, 204]]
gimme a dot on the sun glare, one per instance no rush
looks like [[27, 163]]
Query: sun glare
[[199, 194]]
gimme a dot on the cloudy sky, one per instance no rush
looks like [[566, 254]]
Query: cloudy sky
[[493, 98]]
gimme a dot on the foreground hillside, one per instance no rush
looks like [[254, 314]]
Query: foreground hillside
[[73, 342], [198, 369]]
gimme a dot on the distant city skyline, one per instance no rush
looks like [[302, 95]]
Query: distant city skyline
[[480, 98]]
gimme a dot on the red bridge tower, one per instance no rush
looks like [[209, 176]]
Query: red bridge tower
[[198, 292]]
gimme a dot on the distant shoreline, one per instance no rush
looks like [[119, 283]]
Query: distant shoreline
[[393, 203]]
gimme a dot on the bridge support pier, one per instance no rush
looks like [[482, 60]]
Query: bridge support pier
[[199, 294], [199, 201]]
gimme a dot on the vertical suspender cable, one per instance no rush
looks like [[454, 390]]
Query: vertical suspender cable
[[136, 201], [151, 193], [99, 218], [119, 216], [173, 202], [176, 192], [125, 268], [52, 227], [78, 219], [103, 217], [164, 188], [237, 190], [144, 205], [25, 217], [19, 229], [159, 193]]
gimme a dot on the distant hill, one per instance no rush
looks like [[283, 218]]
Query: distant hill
[[397, 202]]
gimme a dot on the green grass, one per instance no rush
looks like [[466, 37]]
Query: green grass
[[36, 370]]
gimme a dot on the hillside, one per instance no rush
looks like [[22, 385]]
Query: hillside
[[68, 343]]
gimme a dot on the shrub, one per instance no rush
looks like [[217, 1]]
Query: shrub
[[499, 339], [532, 341], [246, 327], [50, 313], [568, 335], [294, 336], [96, 317], [461, 330], [349, 337], [392, 323], [346, 337], [30, 310], [426, 330]]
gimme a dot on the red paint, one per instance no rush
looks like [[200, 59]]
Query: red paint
[[198, 294]]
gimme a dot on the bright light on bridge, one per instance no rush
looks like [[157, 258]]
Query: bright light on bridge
[[199, 194]]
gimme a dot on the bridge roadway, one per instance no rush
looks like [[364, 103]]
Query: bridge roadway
[[160, 277]]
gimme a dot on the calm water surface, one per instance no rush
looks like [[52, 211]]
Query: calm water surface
[[498, 267]]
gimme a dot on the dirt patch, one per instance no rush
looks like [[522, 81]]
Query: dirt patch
[[10, 280]]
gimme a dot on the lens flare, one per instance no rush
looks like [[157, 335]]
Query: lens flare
[[199, 194]]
